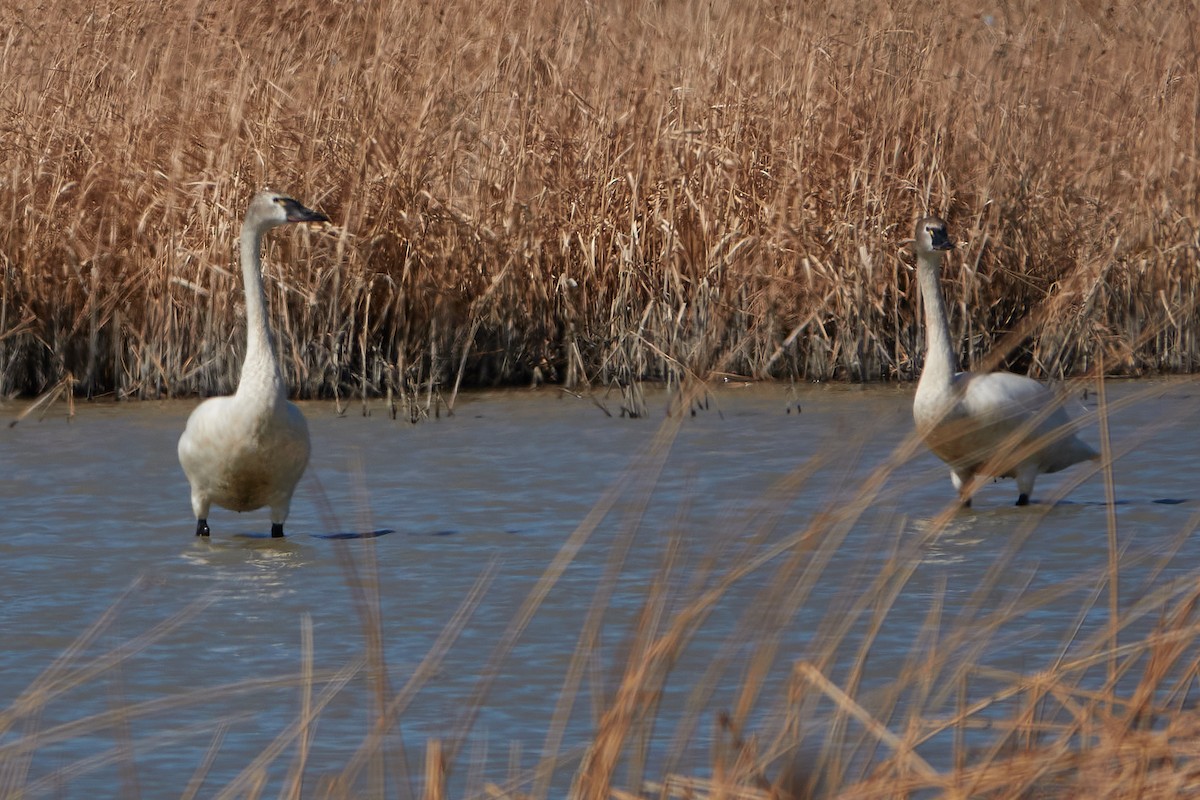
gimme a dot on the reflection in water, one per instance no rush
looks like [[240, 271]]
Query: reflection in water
[[516, 477], [950, 542], [247, 568]]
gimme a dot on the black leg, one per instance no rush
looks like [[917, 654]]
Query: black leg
[[1023, 500], [276, 530], [202, 527]]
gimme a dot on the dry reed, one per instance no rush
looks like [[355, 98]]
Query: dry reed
[[593, 194]]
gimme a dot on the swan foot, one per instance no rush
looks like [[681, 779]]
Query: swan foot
[[1023, 499], [276, 530], [202, 527]]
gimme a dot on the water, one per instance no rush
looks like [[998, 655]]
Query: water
[[96, 549]]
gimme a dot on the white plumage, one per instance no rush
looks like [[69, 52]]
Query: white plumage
[[249, 450], [994, 424]]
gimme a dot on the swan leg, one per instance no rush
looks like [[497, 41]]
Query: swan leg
[[278, 517], [1026, 475], [200, 506], [964, 494]]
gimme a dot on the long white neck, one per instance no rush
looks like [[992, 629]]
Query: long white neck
[[260, 378], [940, 364]]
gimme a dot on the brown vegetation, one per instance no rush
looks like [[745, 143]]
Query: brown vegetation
[[595, 192]]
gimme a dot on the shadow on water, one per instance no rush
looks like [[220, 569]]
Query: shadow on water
[[353, 534], [1164, 501], [385, 531]]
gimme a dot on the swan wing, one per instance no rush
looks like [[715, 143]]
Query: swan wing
[[290, 447], [1004, 405], [204, 439], [1005, 396]]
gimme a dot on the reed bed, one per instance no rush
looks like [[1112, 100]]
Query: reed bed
[[593, 194], [1108, 713]]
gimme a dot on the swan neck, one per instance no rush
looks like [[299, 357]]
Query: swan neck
[[260, 371], [940, 364]]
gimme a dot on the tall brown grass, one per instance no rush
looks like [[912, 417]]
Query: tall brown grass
[[593, 193]]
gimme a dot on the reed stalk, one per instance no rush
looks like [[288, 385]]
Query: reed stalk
[[636, 192]]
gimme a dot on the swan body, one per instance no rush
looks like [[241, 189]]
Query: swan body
[[248, 450], [995, 424]]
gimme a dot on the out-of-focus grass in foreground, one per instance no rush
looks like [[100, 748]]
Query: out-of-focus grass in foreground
[[1106, 713]]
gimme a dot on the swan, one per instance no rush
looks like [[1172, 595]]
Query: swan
[[995, 424], [249, 450]]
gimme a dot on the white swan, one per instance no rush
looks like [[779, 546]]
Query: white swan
[[249, 450], [994, 424]]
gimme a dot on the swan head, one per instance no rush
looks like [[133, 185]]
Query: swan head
[[270, 209], [930, 236]]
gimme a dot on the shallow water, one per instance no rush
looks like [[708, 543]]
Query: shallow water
[[96, 542]]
